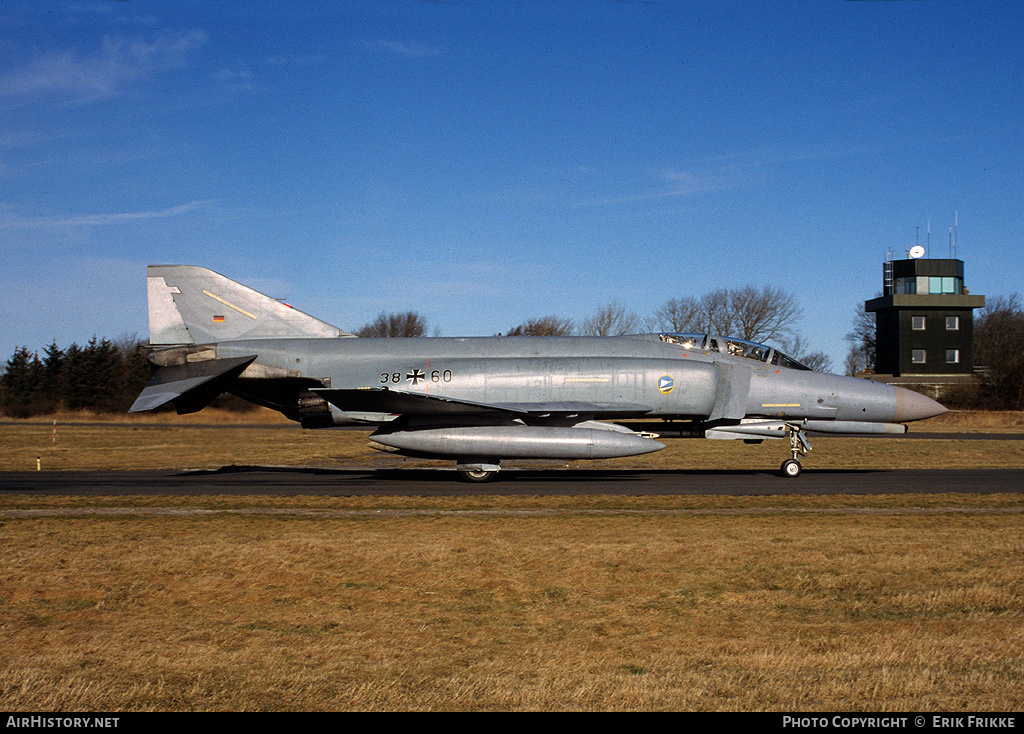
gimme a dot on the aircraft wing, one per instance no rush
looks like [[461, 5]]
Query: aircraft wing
[[384, 400]]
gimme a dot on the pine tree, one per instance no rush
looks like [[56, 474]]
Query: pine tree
[[50, 388], [20, 380], [75, 380]]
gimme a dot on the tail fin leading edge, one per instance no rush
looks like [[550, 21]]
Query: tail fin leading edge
[[193, 305]]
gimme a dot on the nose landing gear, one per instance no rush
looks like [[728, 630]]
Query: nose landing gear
[[798, 446]]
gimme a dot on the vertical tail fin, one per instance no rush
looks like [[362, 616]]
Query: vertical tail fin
[[193, 305]]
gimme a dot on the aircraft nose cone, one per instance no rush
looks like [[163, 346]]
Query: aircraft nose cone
[[913, 406]]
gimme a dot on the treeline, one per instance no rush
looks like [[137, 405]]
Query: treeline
[[999, 352], [101, 376], [759, 314]]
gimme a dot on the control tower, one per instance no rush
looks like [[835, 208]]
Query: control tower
[[924, 321]]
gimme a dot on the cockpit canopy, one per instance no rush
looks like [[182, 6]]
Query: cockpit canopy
[[735, 346]]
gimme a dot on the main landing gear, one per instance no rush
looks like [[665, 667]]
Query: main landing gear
[[798, 445], [478, 473]]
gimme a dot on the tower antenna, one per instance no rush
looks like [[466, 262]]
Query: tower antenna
[[956, 225]]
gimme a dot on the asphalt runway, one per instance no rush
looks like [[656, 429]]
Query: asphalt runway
[[323, 481]]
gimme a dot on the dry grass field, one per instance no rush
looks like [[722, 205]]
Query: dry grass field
[[910, 603], [324, 604], [265, 438]]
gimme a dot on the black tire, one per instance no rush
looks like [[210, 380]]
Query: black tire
[[791, 468], [477, 476]]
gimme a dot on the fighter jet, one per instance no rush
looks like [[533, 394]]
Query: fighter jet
[[479, 400]]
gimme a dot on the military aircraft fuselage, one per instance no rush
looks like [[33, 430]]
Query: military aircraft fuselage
[[641, 375]]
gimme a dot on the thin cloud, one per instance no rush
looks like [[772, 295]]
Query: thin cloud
[[99, 220], [301, 60], [724, 173], [236, 79], [405, 50], [103, 72]]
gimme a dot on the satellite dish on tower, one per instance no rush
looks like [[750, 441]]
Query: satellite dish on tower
[[916, 251]]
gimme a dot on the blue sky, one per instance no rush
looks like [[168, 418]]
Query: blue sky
[[488, 162]]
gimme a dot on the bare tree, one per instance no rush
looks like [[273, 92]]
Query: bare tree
[[613, 319], [801, 351], [852, 364], [544, 326], [409, 323], [862, 342], [757, 314], [680, 315], [718, 316], [763, 314], [999, 348]]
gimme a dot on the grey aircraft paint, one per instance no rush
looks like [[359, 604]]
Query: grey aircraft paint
[[479, 400]]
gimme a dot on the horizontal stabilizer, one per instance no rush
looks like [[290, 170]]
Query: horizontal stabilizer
[[190, 386], [383, 400]]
